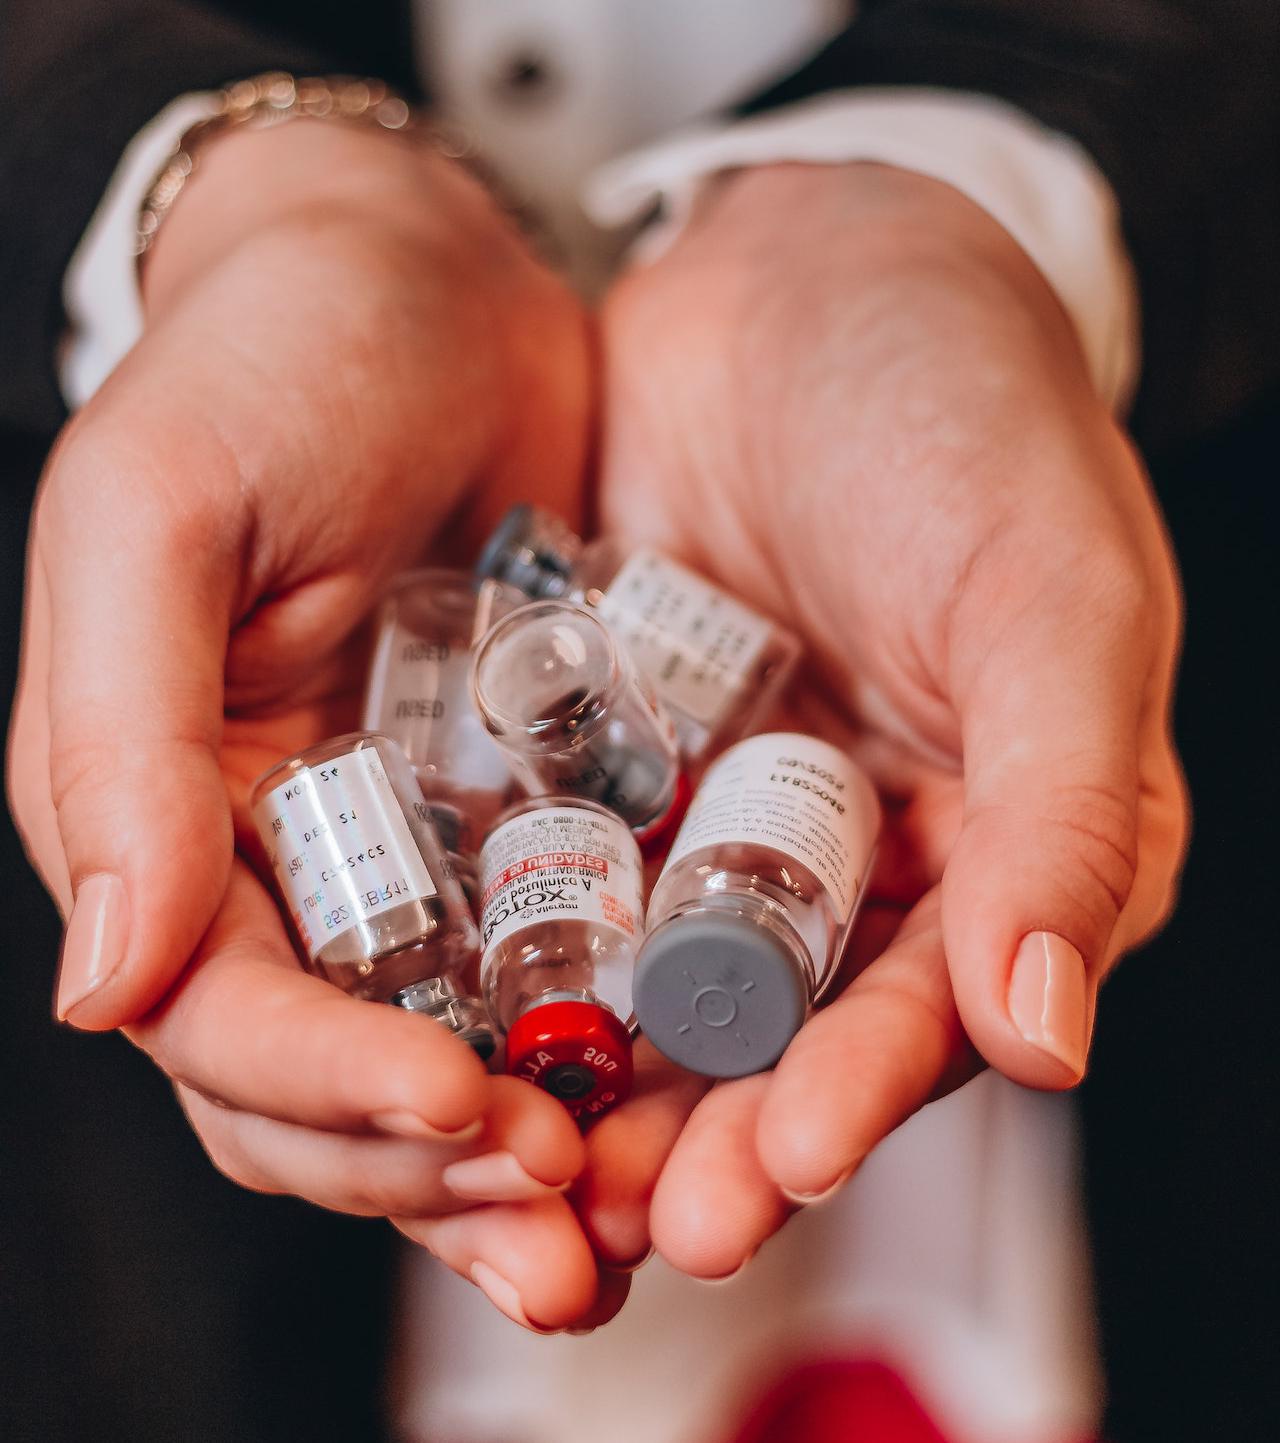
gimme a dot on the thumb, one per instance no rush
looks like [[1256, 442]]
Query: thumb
[[137, 585], [1046, 857]]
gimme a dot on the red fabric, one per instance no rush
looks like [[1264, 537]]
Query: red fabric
[[840, 1401]]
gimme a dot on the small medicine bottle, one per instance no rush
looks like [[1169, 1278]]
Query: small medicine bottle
[[749, 918], [716, 665], [560, 917], [564, 702], [418, 694], [372, 896]]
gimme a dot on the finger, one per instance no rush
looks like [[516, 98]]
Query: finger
[[140, 567], [27, 763], [247, 1026], [625, 1155], [529, 1145], [1050, 718], [363, 1175], [530, 1259], [864, 1064], [714, 1203]]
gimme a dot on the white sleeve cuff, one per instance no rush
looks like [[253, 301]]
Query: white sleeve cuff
[[1039, 185], [100, 289]]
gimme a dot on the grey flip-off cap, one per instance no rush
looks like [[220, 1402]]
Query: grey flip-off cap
[[718, 994], [509, 555]]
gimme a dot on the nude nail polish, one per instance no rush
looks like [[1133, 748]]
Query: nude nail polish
[[95, 940], [1049, 998], [813, 1199], [495, 1177], [503, 1295], [400, 1122]]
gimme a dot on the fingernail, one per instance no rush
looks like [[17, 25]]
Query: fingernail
[[579, 1332], [726, 1277], [495, 1177], [1048, 998], [635, 1265], [94, 944], [403, 1123], [812, 1199], [503, 1296]]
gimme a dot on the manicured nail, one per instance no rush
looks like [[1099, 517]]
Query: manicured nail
[[95, 940], [495, 1177], [634, 1266], [503, 1296], [403, 1123], [812, 1199], [1049, 997], [726, 1277]]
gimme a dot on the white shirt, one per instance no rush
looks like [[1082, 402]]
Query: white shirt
[[957, 1253]]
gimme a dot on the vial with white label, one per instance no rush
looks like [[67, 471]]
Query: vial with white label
[[717, 665], [560, 917], [749, 918], [564, 702], [372, 896], [418, 694]]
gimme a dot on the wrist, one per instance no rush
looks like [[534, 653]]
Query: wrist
[[904, 234], [307, 173]]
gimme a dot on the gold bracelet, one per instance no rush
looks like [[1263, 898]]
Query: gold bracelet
[[271, 99]]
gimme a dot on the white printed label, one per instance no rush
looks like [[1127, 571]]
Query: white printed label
[[559, 863], [694, 643], [340, 846], [796, 794]]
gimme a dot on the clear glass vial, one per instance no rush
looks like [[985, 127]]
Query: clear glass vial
[[564, 702], [750, 916], [716, 665], [419, 694], [560, 917], [361, 870]]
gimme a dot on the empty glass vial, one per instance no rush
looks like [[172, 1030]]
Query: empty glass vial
[[361, 870], [716, 665], [419, 694], [748, 921], [563, 701], [560, 918]]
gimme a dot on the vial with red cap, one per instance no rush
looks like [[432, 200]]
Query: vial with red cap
[[560, 917]]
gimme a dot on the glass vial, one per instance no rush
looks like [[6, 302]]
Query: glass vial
[[418, 694], [560, 917], [716, 665], [372, 897], [750, 917], [563, 701]]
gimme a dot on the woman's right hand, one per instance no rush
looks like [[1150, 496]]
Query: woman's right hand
[[347, 351]]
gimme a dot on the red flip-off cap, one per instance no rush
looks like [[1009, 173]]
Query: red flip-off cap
[[577, 1051]]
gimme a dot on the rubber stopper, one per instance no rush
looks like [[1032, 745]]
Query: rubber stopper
[[577, 1051], [718, 994]]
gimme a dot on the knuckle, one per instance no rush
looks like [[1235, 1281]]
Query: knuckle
[[1097, 828]]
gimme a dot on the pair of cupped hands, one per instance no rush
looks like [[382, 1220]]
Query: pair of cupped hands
[[844, 394]]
